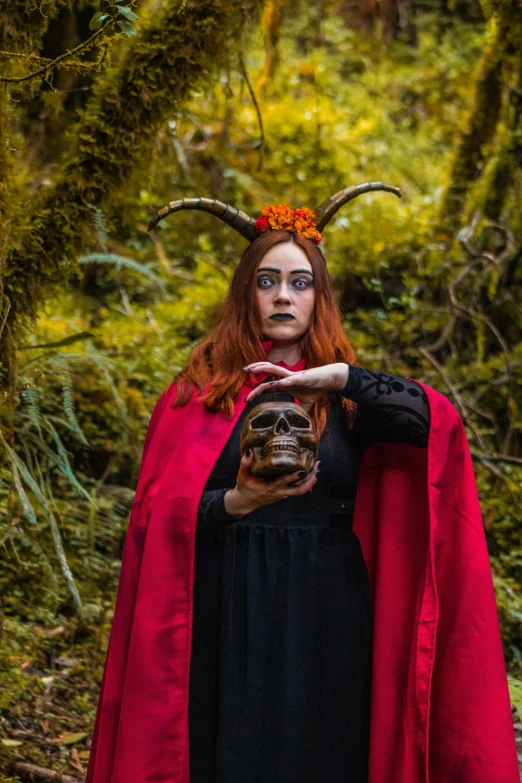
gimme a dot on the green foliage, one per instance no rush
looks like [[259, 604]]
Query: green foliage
[[123, 15]]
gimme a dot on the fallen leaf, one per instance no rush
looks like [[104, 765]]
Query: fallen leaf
[[70, 738], [12, 743], [49, 631]]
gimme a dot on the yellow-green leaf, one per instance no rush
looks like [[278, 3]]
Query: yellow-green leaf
[[70, 739]]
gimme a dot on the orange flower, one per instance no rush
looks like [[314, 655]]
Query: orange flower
[[280, 217]]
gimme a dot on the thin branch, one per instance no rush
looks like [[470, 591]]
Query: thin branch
[[460, 402], [25, 768], [23, 56], [456, 394], [509, 460], [53, 63], [256, 106], [444, 337]]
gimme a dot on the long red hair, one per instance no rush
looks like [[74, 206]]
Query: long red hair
[[234, 339]]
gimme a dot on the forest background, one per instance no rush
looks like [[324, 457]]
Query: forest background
[[108, 110]]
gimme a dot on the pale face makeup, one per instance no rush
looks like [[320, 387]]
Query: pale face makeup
[[286, 295]]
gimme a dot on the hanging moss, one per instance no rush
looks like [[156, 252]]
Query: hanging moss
[[174, 52], [23, 23]]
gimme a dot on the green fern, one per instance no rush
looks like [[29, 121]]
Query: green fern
[[27, 508], [100, 226], [31, 397], [102, 363], [68, 401], [39, 493], [122, 261], [62, 461]]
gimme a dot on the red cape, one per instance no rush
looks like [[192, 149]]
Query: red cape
[[440, 702]]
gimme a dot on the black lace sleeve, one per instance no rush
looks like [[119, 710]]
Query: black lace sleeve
[[390, 408], [211, 509]]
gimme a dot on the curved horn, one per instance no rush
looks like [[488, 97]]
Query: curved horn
[[235, 218], [325, 212]]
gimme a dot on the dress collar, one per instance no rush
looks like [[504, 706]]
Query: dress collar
[[255, 380], [300, 365]]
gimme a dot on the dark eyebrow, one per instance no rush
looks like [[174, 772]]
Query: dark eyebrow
[[295, 272]]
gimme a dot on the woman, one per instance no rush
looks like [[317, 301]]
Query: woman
[[278, 631], [280, 669]]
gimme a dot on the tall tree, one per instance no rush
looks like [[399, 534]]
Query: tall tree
[[176, 49]]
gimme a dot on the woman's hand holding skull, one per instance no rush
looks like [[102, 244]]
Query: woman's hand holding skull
[[251, 491], [306, 385]]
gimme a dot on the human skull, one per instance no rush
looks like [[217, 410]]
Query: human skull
[[282, 438]]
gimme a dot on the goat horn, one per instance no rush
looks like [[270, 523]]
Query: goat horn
[[235, 218], [325, 212]]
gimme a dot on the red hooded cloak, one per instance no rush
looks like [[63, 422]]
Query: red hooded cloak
[[440, 709]]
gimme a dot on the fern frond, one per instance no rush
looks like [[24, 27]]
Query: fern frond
[[100, 226], [122, 261], [24, 472], [55, 531], [101, 362], [68, 401], [62, 559], [63, 463], [72, 338], [27, 508], [31, 397]]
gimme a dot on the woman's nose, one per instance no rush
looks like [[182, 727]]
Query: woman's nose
[[283, 295]]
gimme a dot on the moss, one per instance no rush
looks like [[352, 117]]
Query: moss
[[23, 23], [174, 52], [498, 64], [480, 126]]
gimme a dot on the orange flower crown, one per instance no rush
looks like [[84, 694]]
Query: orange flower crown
[[275, 217], [280, 217]]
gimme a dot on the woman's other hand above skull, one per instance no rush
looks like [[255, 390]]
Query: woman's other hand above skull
[[306, 385], [251, 492]]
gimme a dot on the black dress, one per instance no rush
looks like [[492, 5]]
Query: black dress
[[280, 669]]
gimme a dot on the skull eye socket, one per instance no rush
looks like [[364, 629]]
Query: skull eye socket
[[264, 420], [269, 418], [296, 420]]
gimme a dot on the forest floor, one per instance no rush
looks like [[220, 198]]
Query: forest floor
[[47, 709]]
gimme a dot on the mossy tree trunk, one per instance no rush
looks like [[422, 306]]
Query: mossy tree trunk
[[498, 68], [509, 154], [174, 52], [23, 25], [479, 128]]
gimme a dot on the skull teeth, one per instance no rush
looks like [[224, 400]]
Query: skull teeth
[[284, 446]]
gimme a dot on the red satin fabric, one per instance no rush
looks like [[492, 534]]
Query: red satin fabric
[[440, 702]]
